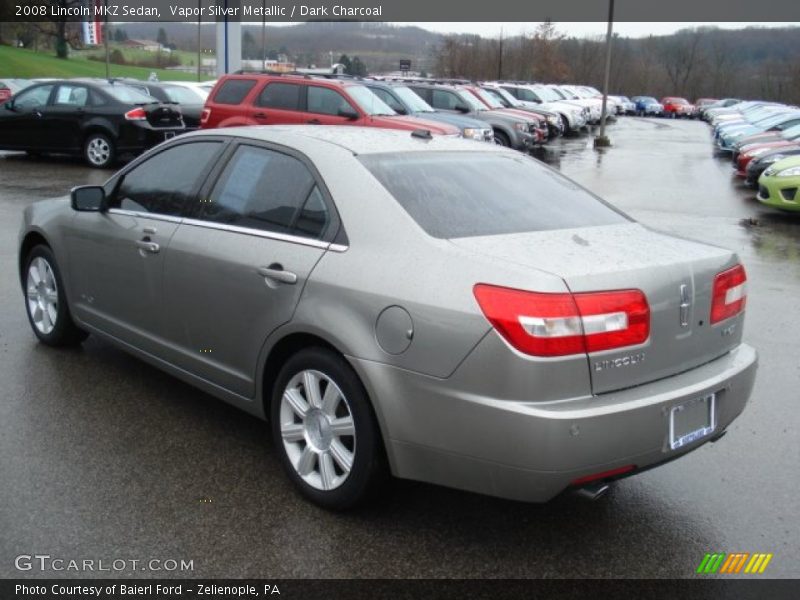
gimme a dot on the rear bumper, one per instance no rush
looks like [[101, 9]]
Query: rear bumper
[[532, 451]]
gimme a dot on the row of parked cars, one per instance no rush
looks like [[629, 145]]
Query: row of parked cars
[[101, 119], [763, 140]]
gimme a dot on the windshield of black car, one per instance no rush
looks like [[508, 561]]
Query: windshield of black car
[[451, 195], [410, 99], [369, 102], [129, 95]]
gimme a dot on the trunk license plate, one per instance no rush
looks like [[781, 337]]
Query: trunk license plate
[[691, 421]]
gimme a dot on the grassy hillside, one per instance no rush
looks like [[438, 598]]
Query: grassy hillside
[[27, 64]]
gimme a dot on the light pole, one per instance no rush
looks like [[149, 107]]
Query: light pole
[[602, 141]]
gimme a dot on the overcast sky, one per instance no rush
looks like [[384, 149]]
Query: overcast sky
[[581, 29]]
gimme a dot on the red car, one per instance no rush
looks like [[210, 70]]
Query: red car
[[493, 103], [678, 107], [257, 99]]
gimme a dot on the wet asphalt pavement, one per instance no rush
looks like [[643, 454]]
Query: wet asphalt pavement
[[105, 457]]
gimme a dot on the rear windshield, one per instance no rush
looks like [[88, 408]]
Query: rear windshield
[[466, 194], [125, 93]]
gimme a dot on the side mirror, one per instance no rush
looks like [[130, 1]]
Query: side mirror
[[9, 105], [88, 198], [348, 113], [462, 108], [401, 110]]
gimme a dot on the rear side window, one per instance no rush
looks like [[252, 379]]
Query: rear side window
[[233, 91], [465, 194], [284, 96], [163, 183], [267, 190]]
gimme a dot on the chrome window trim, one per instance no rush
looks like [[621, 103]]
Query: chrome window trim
[[281, 237], [144, 215]]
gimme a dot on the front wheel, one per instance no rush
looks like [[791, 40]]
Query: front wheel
[[99, 150], [501, 139], [324, 430], [46, 302]]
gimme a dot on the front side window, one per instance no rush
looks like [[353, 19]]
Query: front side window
[[33, 98], [284, 96], [449, 194], [326, 101], [445, 100], [165, 182], [388, 99], [267, 190]]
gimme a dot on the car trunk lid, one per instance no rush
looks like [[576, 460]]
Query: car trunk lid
[[163, 115], [676, 275]]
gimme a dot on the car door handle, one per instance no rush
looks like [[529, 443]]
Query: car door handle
[[314, 122], [148, 246], [276, 273], [260, 116]]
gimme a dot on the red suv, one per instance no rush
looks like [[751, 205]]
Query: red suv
[[256, 99]]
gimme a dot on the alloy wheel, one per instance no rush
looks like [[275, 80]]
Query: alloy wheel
[[98, 151], [317, 429], [42, 293]]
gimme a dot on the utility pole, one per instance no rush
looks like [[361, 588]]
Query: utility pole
[[105, 41], [199, 40], [264, 35], [602, 141], [500, 58]]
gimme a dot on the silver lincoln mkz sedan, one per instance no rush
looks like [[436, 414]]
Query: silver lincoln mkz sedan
[[398, 303]]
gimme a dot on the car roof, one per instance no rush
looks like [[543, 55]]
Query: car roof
[[358, 140]]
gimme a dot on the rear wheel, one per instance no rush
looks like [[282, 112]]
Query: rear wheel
[[46, 302], [324, 430], [99, 150]]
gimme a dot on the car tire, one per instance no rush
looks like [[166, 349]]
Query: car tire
[[46, 301], [501, 139], [328, 440], [99, 150]]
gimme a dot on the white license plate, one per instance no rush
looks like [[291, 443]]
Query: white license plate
[[691, 421]]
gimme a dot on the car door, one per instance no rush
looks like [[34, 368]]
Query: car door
[[22, 125], [237, 267], [64, 115], [279, 103], [117, 256]]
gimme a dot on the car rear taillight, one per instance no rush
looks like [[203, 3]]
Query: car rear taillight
[[545, 324], [205, 116], [729, 294], [136, 114]]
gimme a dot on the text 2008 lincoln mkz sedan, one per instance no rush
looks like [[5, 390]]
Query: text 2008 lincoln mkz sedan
[[399, 303]]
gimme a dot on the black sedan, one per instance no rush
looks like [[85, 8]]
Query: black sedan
[[97, 119]]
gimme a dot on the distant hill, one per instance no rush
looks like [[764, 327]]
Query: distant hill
[[380, 45]]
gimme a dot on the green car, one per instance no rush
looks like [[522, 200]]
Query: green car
[[778, 186]]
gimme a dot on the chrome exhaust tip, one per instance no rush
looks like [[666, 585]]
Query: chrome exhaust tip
[[592, 492]]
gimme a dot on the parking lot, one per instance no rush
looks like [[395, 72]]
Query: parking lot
[[105, 457]]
